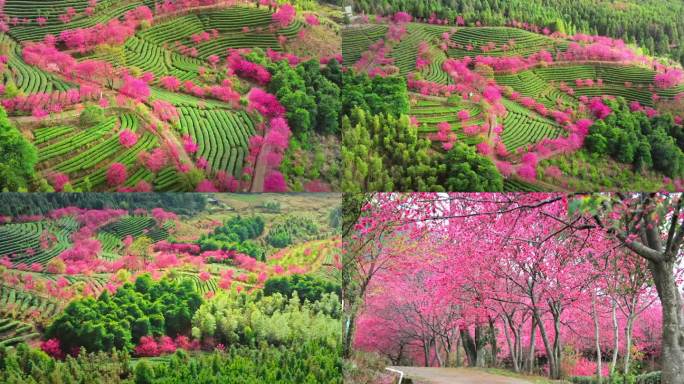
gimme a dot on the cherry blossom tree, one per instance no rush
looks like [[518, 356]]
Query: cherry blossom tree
[[284, 15], [127, 138], [116, 174]]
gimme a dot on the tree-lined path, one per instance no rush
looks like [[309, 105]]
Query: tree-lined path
[[455, 376]]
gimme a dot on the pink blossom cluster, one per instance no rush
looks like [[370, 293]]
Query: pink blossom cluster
[[189, 248], [225, 93], [82, 255], [423, 59], [326, 59], [204, 36], [668, 79], [284, 16], [276, 56], [426, 87], [113, 32], [116, 174], [247, 69], [135, 88], [155, 160], [396, 32], [43, 103], [264, 103], [311, 19], [598, 108], [127, 138], [162, 216], [165, 110], [149, 347]]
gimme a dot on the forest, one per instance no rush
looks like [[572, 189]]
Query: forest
[[130, 291], [472, 96], [655, 25], [169, 96], [539, 287]]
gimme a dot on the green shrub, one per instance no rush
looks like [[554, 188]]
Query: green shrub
[[91, 115], [649, 378], [144, 373], [308, 287]]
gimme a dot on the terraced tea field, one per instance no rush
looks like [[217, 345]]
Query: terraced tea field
[[188, 42], [524, 90]]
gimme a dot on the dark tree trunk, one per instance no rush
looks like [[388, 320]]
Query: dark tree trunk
[[469, 347], [530, 352], [673, 322], [492, 342]]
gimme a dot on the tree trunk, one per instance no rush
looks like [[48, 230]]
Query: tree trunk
[[426, 352], [597, 338], [492, 342], [616, 337], [628, 344], [518, 344], [550, 353], [469, 347], [480, 344], [673, 322], [557, 347], [349, 331], [439, 357], [514, 352], [530, 355], [458, 352]]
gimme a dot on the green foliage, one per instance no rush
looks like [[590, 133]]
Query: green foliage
[[144, 373], [17, 157], [636, 21], [118, 321], [236, 234], [92, 115], [647, 378], [633, 138], [590, 172], [380, 95], [14, 204], [310, 96], [232, 318], [468, 171], [335, 218], [308, 287], [312, 362], [272, 206], [385, 153], [292, 229], [27, 365], [307, 363]]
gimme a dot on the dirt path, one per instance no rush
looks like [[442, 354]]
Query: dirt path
[[455, 376], [260, 170]]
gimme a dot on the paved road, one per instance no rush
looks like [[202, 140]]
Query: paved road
[[455, 376]]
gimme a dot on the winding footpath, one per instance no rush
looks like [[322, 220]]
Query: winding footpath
[[421, 375]]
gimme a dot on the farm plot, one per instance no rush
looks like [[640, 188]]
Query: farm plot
[[529, 84], [222, 136], [137, 226], [13, 332], [431, 111], [21, 241], [24, 305], [27, 78], [98, 147], [504, 42], [51, 9], [523, 127], [357, 39]]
